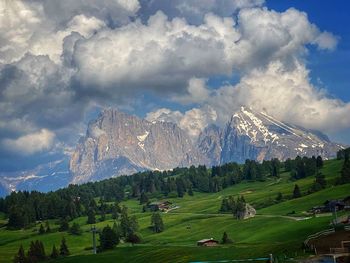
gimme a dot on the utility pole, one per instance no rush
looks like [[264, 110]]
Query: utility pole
[[93, 230]]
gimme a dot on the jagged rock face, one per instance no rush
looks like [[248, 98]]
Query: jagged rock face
[[117, 143], [209, 144], [258, 136]]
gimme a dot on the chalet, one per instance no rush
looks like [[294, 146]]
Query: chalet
[[331, 206], [160, 206], [207, 242]]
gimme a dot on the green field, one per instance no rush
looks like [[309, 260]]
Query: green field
[[275, 229]]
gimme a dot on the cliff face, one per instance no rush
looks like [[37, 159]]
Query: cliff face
[[117, 143], [258, 136]]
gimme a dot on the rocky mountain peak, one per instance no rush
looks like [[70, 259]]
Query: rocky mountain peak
[[117, 143]]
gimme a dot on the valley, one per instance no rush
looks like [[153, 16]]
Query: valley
[[198, 217]]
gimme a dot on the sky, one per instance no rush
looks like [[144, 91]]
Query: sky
[[193, 62]]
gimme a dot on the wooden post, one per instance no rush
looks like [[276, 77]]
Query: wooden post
[[271, 258]]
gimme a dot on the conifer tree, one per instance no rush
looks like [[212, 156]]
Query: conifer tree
[[41, 229], [91, 217], [143, 198], [157, 223], [108, 238], [226, 239], [64, 226], [54, 253], [190, 191], [47, 225], [20, 256], [75, 229], [296, 192], [64, 251]]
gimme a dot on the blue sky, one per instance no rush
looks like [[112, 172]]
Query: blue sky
[[195, 61], [332, 68]]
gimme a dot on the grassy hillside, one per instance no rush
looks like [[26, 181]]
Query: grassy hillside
[[273, 230]]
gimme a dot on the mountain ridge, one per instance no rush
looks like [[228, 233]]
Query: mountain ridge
[[117, 143]]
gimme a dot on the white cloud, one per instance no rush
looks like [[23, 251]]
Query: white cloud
[[195, 10], [164, 55], [31, 143], [285, 94], [192, 121], [197, 92]]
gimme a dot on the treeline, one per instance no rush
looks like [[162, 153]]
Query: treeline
[[25, 208]]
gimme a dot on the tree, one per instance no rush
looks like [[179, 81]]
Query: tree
[[36, 251], [345, 172], [133, 238], [157, 223], [41, 229], [64, 226], [54, 253], [75, 229], [319, 162], [16, 218], [279, 197], [20, 256], [47, 225], [296, 192], [115, 211], [128, 224], [64, 251], [91, 217], [226, 239], [108, 238], [143, 198], [190, 191]]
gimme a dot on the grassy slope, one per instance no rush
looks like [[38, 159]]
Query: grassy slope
[[197, 218]]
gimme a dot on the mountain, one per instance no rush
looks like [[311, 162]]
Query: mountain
[[117, 143], [120, 144], [259, 136], [45, 177]]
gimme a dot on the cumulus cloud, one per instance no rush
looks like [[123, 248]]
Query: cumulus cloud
[[30, 143], [192, 121], [59, 57], [163, 55], [195, 10], [283, 93]]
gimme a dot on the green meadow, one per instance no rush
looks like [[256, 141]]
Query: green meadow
[[278, 228]]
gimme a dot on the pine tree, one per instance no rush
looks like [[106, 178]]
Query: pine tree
[[319, 162], [143, 198], [190, 191], [54, 252], [64, 226], [296, 192], [115, 212], [226, 239], [20, 256], [91, 217], [64, 251], [279, 197], [108, 238], [75, 229], [47, 225], [133, 238], [157, 223], [36, 251], [41, 229], [345, 172]]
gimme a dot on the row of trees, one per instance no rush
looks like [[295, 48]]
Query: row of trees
[[36, 252], [345, 171], [25, 208], [236, 207]]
